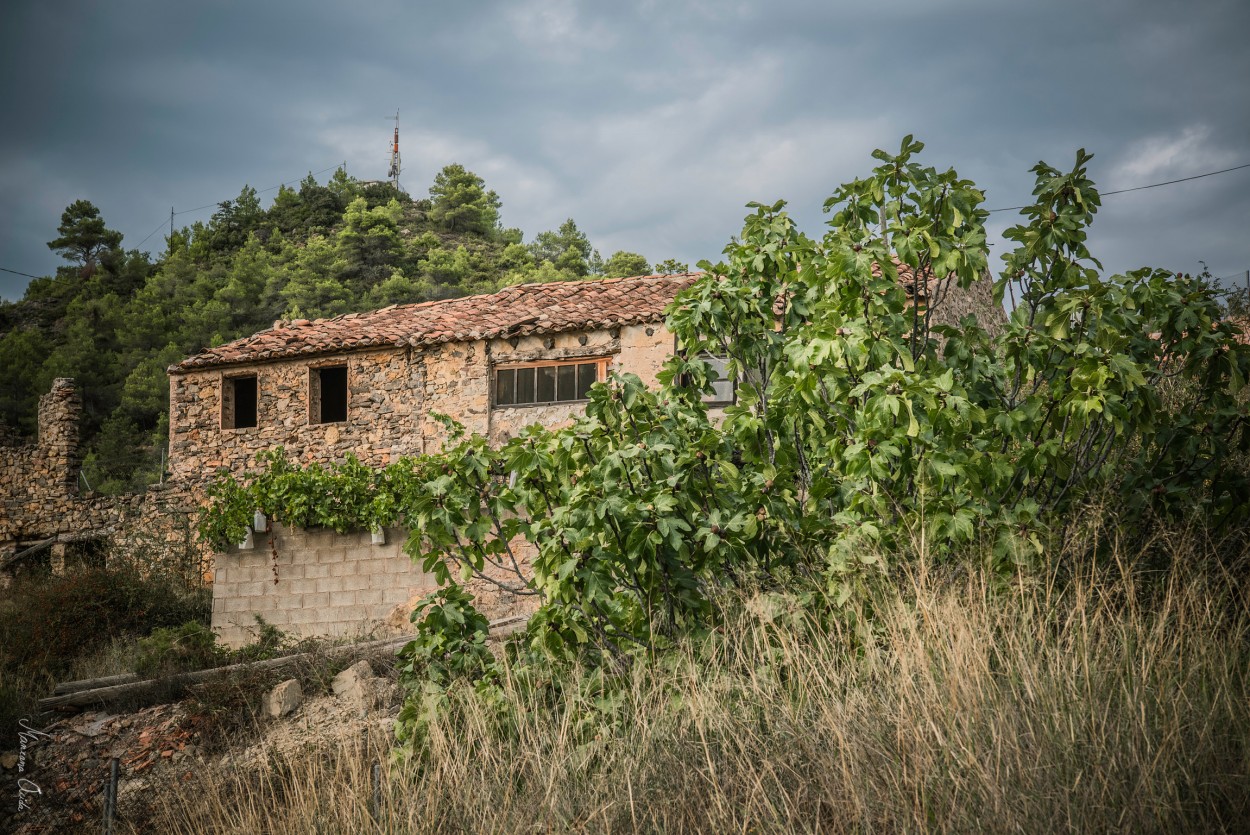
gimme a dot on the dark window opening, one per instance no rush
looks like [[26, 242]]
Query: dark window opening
[[548, 383], [329, 394], [238, 402]]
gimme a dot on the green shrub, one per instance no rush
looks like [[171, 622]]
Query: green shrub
[[45, 624], [192, 646]]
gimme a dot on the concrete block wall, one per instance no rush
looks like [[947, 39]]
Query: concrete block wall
[[327, 584]]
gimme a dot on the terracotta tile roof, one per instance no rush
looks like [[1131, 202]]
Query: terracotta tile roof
[[523, 310]]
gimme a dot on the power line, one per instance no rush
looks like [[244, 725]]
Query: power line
[[262, 191], [158, 228], [1152, 185], [161, 225], [15, 272]]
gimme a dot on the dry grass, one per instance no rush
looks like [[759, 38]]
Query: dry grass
[[1103, 703]]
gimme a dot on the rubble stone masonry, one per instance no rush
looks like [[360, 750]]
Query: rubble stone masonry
[[391, 395], [40, 500]]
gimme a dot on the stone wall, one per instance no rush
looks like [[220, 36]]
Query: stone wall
[[951, 304], [330, 584], [391, 394], [38, 481], [40, 502]]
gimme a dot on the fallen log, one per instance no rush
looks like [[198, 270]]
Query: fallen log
[[93, 683], [137, 690]]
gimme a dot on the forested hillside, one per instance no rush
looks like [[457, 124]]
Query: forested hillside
[[115, 318]]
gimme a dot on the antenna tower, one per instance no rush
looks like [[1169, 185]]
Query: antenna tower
[[393, 174]]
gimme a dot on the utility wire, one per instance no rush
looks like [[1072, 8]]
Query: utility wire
[[15, 272], [161, 225], [262, 191], [158, 228], [1152, 185]]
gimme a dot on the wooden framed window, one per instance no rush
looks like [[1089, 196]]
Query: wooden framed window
[[554, 381], [327, 394], [238, 402]]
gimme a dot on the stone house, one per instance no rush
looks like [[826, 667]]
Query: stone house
[[368, 384]]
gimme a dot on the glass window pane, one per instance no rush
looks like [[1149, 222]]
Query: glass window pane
[[525, 385], [566, 382], [587, 373], [723, 385], [546, 384], [505, 387]]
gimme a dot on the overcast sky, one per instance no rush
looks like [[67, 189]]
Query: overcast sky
[[650, 123]]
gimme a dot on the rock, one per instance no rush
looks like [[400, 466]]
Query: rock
[[284, 698], [352, 685], [96, 728], [8, 761], [399, 618]]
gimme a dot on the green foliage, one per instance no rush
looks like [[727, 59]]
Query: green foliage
[[191, 646], [345, 497], [863, 431], [567, 249], [45, 622], [82, 237], [671, 267], [461, 203], [623, 264]]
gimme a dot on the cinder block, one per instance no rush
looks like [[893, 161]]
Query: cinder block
[[355, 582], [342, 569], [342, 598], [353, 614], [293, 571], [316, 570], [330, 556], [330, 584], [231, 605], [371, 597], [281, 616], [395, 595], [255, 589], [302, 586], [315, 602], [304, 616]]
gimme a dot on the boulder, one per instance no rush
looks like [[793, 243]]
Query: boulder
[[350, 684], [359, 687], [284, 698]]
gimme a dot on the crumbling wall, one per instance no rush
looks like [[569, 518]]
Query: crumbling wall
[[953, 303], [40, 501], [37, 481]]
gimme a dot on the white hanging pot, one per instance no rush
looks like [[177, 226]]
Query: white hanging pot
[[378, 536], [248, 543], [259, 523]]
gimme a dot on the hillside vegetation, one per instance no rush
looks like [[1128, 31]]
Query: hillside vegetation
[[116, 319]]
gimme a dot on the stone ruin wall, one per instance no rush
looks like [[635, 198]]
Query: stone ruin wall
[[955, 303], [40, 501]]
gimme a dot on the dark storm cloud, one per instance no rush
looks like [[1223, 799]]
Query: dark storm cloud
[[650, 123]]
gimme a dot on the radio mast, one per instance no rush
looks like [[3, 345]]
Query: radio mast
[[393, 174]]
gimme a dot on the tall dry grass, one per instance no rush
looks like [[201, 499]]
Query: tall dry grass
[[1108, 701]]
